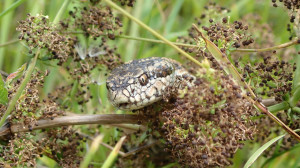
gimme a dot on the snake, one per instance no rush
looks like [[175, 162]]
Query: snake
[[139, 83]]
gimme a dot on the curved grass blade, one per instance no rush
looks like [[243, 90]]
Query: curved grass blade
[[256, 154], [14, 100], [12, 7], [3, 92], [91, 153], [259, 151], [280, 154], [114, 153]]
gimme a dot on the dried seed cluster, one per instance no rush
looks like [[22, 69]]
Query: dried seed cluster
[[19, 152], [289, 4], [62, 47], [81, 61], [64, 145], [219, 29], [39, 33], [129, 3], [94, 21], [270, 77], [293, 11], [206, 125], [21, 148]]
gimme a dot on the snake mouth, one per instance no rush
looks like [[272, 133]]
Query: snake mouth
[[123, 105]]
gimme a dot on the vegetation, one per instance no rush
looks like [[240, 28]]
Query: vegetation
[[243, 110]]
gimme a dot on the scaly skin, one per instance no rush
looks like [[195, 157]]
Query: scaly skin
[[139, 83]]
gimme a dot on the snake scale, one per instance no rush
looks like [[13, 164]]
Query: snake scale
[[139, 83]]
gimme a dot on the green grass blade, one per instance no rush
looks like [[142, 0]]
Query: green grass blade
[[256, 154], [296, 80], [114, 153], [61, 11], [173, 16], [112, 4], [11, 7], [4, 30], [295, 98], [14, 100], [278, 107], [3, 92], [224, 62], [274, 157], [91, 153], [134, 32]]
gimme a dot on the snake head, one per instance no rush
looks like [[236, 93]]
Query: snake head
[[139, 83]]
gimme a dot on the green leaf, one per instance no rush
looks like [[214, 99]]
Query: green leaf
[[91, 153], [278, 107], [295, 98], [3, 92], [224, 62], [113, 154], [274, 157], [256, 154], [11, 7], [172, 17], [296, 80], [15, 75]]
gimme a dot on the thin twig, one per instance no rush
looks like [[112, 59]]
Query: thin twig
[[285, 45], [10, 42], [138, 38], [73, 120]]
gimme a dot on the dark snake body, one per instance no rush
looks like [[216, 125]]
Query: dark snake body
[[142, 82]]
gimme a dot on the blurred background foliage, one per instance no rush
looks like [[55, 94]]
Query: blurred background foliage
[[171, 18]]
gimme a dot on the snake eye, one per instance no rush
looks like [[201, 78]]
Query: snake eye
[[143, 79]]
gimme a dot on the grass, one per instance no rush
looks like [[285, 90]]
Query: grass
[[173, 21]]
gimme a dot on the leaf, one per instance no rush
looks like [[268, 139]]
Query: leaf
[[259, 151], [3, 92], [91, 153], [113, 154], [295, 97], [15, 75], [11, 7], [274, 157], [172, 17], [296, 80], [223, 62]]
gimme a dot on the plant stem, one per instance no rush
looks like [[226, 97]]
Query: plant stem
[[10, 42], [153, 40], [270, 48], [14, 100], [152, 31], [74, 120]]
